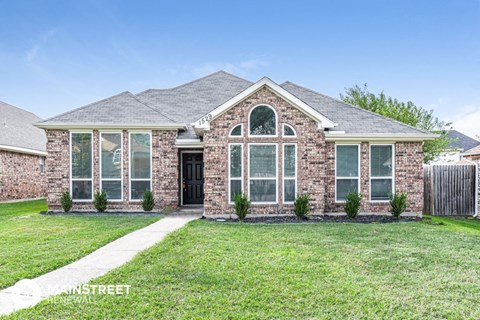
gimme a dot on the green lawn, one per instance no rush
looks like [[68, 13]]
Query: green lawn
[[32, 244], [415, 270]]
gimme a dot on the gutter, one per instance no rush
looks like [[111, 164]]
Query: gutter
[[98, 126], [379, 137], [23, 150]]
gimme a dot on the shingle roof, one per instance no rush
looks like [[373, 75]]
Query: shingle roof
[[123, 108], [17, 130], [351, 119], [460, 141], [189, 102]]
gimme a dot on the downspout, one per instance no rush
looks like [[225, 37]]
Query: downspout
[[476, 185]]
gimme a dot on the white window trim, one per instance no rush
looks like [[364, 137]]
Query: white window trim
[[229, 170], [347, 178], [91, 165], [283, 131], [274, 178], [370, 178], [289, 178], [276, 122], [241, 131], [121, 164], [130, 164], [41, 165]]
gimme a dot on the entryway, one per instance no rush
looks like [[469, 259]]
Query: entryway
[[192, 178]]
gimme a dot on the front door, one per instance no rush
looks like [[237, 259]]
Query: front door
[[192, 180]]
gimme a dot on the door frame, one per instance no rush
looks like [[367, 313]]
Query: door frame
[[181, 175]]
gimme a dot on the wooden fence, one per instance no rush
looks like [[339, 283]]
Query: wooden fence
[[450, 190]]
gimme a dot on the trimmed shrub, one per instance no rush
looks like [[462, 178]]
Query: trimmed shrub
[[66, 201], [241, 205], [398, 203], [352, 204], [100, 201], [302, 206], [148, 201]]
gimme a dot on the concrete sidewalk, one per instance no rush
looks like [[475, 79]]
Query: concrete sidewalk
[[27, 293]]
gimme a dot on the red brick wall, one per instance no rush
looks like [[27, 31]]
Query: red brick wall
[[310, 154], [20, 176], [164, 170]]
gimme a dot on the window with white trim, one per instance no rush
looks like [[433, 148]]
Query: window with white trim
[[235, 170], [263, 121], [347, 170], [288, 130], [81, 165], [289, 172], [111, 164], [140, 165], [236, 131], [381, 172], [263, 173], [41, 165]]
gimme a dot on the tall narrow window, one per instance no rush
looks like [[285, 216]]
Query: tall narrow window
[[236, 172], [263, 173], [111, 160], [347, 170], [41, 165], [289, 173], [381, 172], [263, 121], [140, 165], [81, 165]]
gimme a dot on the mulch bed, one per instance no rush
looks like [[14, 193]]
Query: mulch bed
[[95, 213], [319, 219]]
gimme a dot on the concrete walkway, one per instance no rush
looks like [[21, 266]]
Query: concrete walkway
[[27, 293]]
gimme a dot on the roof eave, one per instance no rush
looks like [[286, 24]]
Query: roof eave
[[125, 126], [380, 137], [23, 150]]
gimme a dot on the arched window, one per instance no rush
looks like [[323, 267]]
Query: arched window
[[236, 131], [263, 121], [288, 131]]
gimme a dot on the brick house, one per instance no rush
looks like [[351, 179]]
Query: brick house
[[201, 142], [22, 155]]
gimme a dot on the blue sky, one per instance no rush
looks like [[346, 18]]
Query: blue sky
[[58, 55]]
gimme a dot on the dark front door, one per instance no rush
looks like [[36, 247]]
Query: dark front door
[[192, 180]]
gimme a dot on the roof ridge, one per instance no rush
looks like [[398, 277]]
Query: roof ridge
[[21, 109], [152, 108], [357, 107], [85, 106], [196, 80]]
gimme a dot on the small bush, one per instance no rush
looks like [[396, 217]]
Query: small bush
[[302, 206], [66, 201], [241, 205], [148, 201], [352, 204], [398, 203], [100, 201]]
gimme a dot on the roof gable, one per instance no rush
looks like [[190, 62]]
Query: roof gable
[[203, 123], [460, 141], [17, 132]]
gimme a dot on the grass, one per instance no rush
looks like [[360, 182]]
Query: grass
[[317, 271], [32, 244]]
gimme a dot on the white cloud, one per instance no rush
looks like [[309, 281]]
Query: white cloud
[[241, 69], [44, 38], [467, 120]]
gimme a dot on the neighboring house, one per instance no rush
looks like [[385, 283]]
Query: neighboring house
[[458, 144], [22, 155], [202, 142]]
